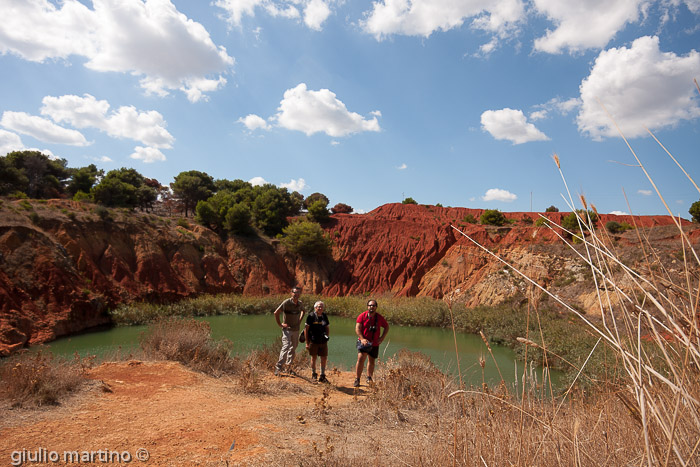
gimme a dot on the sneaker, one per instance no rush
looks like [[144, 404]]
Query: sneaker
[[369, 381], [314, 376], [357, 383], [323, 379]]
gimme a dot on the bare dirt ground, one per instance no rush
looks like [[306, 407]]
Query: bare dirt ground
[[163, 414]]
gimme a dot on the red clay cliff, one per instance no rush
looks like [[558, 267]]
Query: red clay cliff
[[62, 266]]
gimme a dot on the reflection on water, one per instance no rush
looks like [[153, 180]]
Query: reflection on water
[[253, 331]]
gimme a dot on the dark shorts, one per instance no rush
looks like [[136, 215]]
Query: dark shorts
[[374, 353], [320, 350]]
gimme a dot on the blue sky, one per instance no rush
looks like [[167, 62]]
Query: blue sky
[[462, 103]]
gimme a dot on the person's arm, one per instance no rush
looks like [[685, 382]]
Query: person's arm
[[385, 331], [306, 335], [301, 315], [277, 317], [358, 331]]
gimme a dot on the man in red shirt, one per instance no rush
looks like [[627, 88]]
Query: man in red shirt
[[368, 332]]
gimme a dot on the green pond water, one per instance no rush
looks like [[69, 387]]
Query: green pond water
[[248, 332]]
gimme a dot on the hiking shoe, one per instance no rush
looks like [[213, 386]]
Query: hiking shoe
[[357, 383], [369, 381], [323, 379], [314, 376]]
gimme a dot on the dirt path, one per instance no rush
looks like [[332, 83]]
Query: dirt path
[[168, 415]]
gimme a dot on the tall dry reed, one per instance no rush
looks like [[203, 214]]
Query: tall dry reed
[[649, 324]]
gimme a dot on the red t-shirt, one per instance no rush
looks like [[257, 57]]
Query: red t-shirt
[[366, 322]]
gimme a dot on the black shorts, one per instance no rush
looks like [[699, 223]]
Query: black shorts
[[374, 352], [320, 350]]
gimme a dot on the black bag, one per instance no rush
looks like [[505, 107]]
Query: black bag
[[364, 348], [302, 337]]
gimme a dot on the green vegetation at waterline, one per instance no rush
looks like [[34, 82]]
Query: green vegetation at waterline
[[567, 340]]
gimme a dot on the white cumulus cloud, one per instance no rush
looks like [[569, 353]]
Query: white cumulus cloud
[[254, 122], [402, 167], [147, 155], [619, 213], [497, 194], [511, 125], [582, 25], [295, 185], [41, 129], [147, 38], [423, 17], [645, 192], [313, 12], [640, 86], [148, 127], [320, 111], [10, 142], [257, 181]]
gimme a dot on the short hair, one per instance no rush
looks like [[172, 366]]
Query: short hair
[[296, 287], [372, 300], [319, 303]]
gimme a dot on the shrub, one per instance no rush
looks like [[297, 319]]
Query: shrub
[[318, 211], [183, 223], [205, 214], [541, 221], [470, 219], [103, 213], [571, 224], [493, 217], [238, 218], [341, 208], [409, 200], [40, 379], [552, 208], [314, 197], [82, 196], [694, 211], [189, 342], [306, 238]]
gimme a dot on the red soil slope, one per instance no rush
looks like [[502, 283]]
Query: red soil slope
[[60, 272]]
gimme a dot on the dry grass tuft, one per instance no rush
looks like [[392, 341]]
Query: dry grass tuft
[[41, 379], [189, 342]]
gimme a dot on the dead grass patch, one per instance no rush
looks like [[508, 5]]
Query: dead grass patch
[[33, 380]]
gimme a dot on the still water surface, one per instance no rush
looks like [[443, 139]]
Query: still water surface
[[248, 332]]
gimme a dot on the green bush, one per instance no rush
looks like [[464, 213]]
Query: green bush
[[238, 218], [694, 211], [470, 219], [493, 217], [541, 221], [205, 214], [82, 196], [318, 211], [616, 227], [306, 238], [103, 213], [552, 208], [409, 200]]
